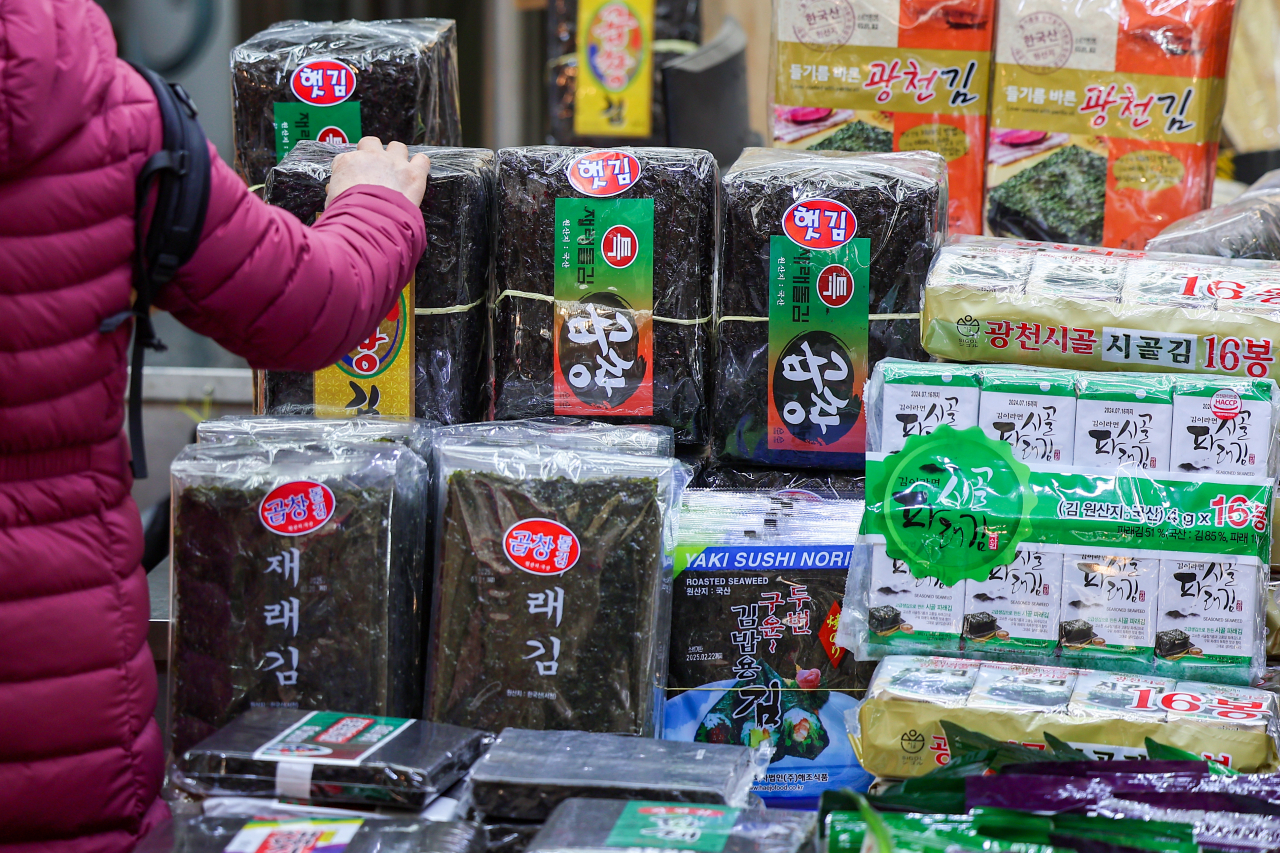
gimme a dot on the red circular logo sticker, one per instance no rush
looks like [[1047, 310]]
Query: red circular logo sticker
[[296, 508], [1226, 404], [619, 246], [323, 82], [603, 173], [835, 285], [541, 546], [332, 134], [819, 223]]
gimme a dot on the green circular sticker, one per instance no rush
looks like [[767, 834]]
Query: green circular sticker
[[956, 504]]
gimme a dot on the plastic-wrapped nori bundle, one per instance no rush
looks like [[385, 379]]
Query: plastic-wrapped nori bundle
[[582, 825], [338, 81], [851, 237], [569, 434], [413, 433], [348, 834], [450, 282], [677, 29], [828, 485], [552, 608], [297, 581], [1248, 226], [650, 364], [526, 774], [308, 754]]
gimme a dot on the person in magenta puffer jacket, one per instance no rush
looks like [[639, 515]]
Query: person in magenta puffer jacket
[[80, 752]]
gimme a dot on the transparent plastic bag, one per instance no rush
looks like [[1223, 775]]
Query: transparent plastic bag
[[819, 484], [369, 761], [451, 380], [569, 434], [898, 202], [1245, 227], [412, 433], [547, 359], [526, 774], [401, 80], [355, 835], [297, 582]]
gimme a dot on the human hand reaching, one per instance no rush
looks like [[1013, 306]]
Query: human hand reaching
[[391, 167]]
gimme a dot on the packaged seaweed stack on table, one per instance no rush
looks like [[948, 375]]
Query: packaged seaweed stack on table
[[338, 81], [602, 285], [823, 261], [297, 582], [429, 356], [343, 834], [1105, 118], [552, 608], [569, 434]]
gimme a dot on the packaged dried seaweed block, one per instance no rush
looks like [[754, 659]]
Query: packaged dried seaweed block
[[413, 433], [447, 373], [568, 433], [526, 774], [320, 834], [338, 81], [552, 608], [823, 261], [330, 758], [583, 824], [297, 582], [602, 289], [1211, 621]]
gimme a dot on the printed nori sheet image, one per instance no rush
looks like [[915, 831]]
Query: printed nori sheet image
[[856, 136], [682, 184], [899, 202], [1061, 199], [185, 834], [599, 631], [769, 709], [980, 626], [1076, 632], [451, 279], [406, 82], [673, 21], [335, 623], [526, 774], [408, 771], [1173, 644]]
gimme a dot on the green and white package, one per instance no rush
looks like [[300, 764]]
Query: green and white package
[[1124, 419], [1014, 612], [1006, 686], [1223, 426], [1106, 693], [1109, 611], [906, 398], [1211, 621], [917, 678], [1032, 411], [908, 613]]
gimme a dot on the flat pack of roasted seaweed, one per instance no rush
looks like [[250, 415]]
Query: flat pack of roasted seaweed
[[450, 282], [403, 763], [898, 201], [552, 604], [405, 86], [185, 834], [682, 184], [297, 581], [526, 774]]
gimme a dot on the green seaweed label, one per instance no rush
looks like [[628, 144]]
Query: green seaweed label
[[295, 122], [673, 826], [604, 306], [325, 737]]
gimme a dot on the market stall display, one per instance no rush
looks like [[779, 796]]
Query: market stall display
[[1248, 226], [338, 81], [823, 258], [446, 374], [186, 834], [602, 285]]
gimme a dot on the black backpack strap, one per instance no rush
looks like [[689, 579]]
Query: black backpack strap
[[180, 172]]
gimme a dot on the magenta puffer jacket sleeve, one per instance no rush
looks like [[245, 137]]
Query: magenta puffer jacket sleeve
[[290, 297]]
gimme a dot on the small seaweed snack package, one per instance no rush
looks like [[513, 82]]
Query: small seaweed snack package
[[297, 581], [429, 356], [338, 81], [1224, 426], [907, 614], [332, 833], [583, 825], [602, 285], [1211, 625], [823, 261], [1033, 411], [1124, 419], [330, 758], [552, 604], [526, 774], [1013, 614], [895, 75], [1105, 117], [906, 398]]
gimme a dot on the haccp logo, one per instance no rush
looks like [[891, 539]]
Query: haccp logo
[[1226, 404]]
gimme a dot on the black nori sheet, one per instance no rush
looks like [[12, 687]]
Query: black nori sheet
[[899, 201], [1172, 642], [451, 349], [384, 835], [360, 585], [585, 824], [1061, 199], [406, 72], [1076, 632], [511, 836], [682, 183], [881, 619], [826, 485], [979, 626], [526, 774], [409, 771], [856, 136]]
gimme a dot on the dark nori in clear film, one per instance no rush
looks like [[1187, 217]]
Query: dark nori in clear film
[[600, 629], [569, 434], [1248, 226], [899, 200], [184, 834], [511, 836], [357, 580], [682, 183], [584, 824], [414, 433], [526, 774], [406, 81], [451, 279], [407, 771], [828, 485], [673, 21]]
